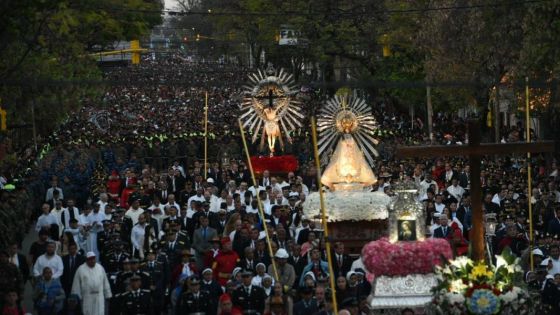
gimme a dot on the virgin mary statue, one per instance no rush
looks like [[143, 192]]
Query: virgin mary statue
[[348, 169]]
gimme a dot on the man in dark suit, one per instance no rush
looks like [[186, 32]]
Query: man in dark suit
[[448, 175], [71, 262], [221, 220], [175, 181], [163, 192], [19, 260], [443, 231], [201, 240], [464, 214], [297, 261], [489, 206], [304, 232], [212, 216], [307, 305], [265, 181], [261, 253], [248, 297], [248, 262], [554, 224], [341, 261], [464, 178], [184, 195], [173, 246], [151, 222]]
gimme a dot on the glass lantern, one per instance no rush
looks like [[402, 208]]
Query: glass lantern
[[406, 214]]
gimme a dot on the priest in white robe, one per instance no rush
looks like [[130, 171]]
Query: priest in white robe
[[91, 285]]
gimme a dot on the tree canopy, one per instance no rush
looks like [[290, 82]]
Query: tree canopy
[[45, 41]]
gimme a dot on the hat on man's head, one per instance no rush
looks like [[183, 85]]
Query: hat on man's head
[[538, 252], [281, 253], [90, 255], [194, 280], [246, 273], [210, 180]]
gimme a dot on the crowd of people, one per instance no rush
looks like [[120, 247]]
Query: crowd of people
[[129, 223]]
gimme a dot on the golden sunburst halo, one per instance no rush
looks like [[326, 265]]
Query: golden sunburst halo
[[349, 115], [266, 88]]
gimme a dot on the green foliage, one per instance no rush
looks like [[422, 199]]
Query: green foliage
[[44, 41]]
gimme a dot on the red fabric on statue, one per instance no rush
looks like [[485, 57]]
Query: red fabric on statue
[[274, 164]]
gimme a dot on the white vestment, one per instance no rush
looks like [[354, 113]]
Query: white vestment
[[92, 286]]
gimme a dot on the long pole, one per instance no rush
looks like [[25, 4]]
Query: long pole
[[323, 215], [206, 135], [477, 236], [529, 184], [430, 111], [261, 212]]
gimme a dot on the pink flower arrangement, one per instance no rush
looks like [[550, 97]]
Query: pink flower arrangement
[[382, 257]]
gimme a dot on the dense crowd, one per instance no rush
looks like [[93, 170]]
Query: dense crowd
[[130, 223]]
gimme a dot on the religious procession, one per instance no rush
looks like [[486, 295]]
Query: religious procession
[[250, 157]]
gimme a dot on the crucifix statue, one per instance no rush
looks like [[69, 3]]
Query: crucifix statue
[[474, 151]]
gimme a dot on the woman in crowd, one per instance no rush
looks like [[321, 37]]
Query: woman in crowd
[[342, 292], [49, 295], [279, 302], [12, 304]]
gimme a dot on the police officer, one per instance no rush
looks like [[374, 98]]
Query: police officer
[[122, 278], [135, 268], [136, 301], [250, 298], [194, 302], [159, 278], [113, 259]]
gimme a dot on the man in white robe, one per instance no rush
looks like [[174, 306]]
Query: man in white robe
[[91, 285]]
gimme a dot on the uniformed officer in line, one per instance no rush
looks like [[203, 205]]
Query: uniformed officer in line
[[159, 278], [135, 268], [251, 299], [194, 302], [114, 258], [172, 247], [136, 301], [122, 278], [103, 237]]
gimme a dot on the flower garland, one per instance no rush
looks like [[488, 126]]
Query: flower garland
[[468, 287], [382, 257]]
